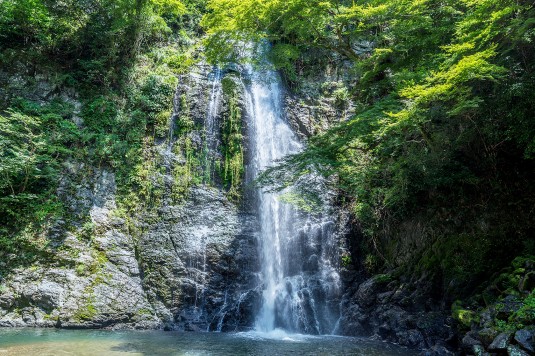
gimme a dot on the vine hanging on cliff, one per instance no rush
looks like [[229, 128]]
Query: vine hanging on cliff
[[232, 148]]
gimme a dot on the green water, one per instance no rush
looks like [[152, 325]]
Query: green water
[[100, 342]]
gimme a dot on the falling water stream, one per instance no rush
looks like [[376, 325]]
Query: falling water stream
[[299, 282], [211, 128], [298, 252], [273, 140]]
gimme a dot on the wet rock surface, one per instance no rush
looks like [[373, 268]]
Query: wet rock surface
[[96, 282], [195, 269], [199, 263], [394, 312], [190, 266]]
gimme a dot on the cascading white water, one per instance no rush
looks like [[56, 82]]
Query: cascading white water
[[289, 240], [196, 262], [297, 251], [273, 140]]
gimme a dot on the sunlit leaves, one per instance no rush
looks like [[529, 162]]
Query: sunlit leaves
[[301, 23], [429, 74], [173, 7]]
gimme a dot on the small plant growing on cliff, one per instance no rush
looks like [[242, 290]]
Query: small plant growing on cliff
[[346, 260], [162, 122], [184, 123], [341, 97], [383, 278], [370, 263], [81, 270], [88, 230], [186, 172], [464, 316]]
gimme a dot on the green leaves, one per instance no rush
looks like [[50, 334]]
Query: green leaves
[[444, 98], [34, 140], [20, 144], [232, 166], [295, 23], [25, 20], [96, 40], [172, 7]]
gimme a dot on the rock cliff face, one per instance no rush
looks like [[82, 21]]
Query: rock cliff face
[[322, 101], [401, 313], [191, 264], [193, 269], [95, 281], [199, 264]]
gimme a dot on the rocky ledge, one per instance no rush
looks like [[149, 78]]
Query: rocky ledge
[[402, 313]]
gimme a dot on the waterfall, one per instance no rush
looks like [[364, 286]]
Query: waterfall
[[300, 284], [272, 140]]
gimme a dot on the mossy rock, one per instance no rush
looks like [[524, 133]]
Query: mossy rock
[[229, 85], [487, 335], [527, 283], [464, 316], [88, 312], [524, 262]]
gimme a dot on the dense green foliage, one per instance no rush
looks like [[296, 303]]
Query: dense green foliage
[[443, 134], [95, 40], [34, 139]]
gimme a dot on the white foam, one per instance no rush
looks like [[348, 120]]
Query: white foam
[[275, 334]]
